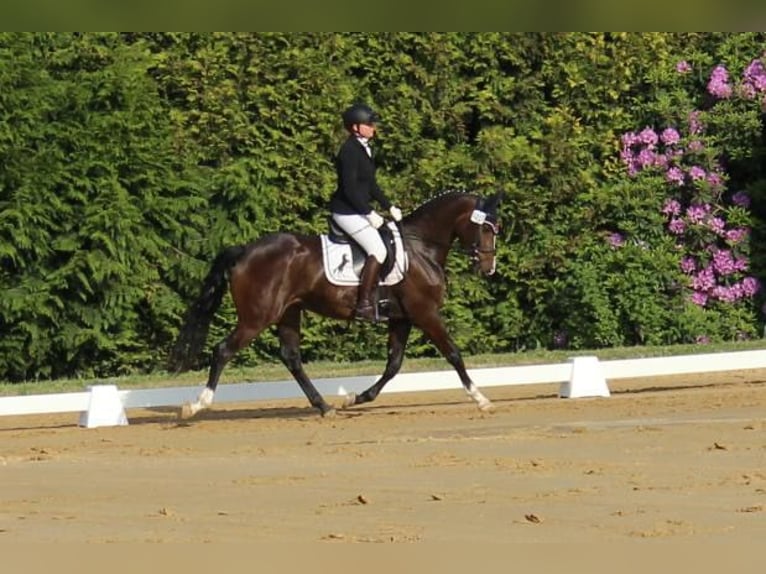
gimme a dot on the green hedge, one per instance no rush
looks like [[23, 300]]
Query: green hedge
[[127, 161]]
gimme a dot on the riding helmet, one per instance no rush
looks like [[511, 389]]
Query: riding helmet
[[359, 114]]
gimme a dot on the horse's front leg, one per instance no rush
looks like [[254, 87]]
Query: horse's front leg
[[398, 333], [289, 332], [434, 329]]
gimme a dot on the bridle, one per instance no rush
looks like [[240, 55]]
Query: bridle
[[481, 219], [473, 250]]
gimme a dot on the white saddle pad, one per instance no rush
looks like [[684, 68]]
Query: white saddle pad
[[342, 266]]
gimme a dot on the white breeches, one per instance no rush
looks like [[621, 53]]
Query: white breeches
[[363, 233]]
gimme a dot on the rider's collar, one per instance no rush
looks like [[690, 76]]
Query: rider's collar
[[365, 144]]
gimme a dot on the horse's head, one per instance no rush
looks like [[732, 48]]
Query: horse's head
[[478, 231], [470, 219]]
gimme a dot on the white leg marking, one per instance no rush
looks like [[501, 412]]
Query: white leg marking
[[350, 400], [483, 402], [204, 400]]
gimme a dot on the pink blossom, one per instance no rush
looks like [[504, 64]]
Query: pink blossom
[[741, 264], [616, 240], [717, 225], [747, 91], [627, 157], [704, 280], [629, 139], [648, 136], [683, 67], [696, 213], [670, 136], [750, 286], [736, 235], [741, 198], [671, 207], [718, 85], [723, 262], [754, 77], [696, 173], [675, 175], [695, 145], [714, 179], [695, 125], [699, 298], [725, 294], [676, 226], [645, 157]]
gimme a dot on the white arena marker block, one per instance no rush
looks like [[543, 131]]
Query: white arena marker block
[[587, 379], [104, 408]]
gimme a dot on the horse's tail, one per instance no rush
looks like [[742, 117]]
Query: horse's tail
[[193, 334]]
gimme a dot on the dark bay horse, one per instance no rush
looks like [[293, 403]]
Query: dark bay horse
[[272, 280]]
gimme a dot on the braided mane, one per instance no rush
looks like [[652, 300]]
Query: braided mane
[[441, 195]]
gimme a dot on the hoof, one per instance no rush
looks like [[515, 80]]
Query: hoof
[[349, 401], [329, 413], [186, 411], [487, 407]]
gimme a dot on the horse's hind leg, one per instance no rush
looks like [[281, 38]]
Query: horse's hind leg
[[289, 332], [398, 333], [222, 354]]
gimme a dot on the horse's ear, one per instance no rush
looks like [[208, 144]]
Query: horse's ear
[[494, 200]]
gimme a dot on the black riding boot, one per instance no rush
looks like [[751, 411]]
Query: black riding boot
[[364, 307]]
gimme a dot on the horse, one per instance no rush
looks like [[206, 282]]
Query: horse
[[273, 279]]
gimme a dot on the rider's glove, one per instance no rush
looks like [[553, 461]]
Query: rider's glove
[[396, 213], [375, 220]]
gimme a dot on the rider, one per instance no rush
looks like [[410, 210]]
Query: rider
[[350, 204]]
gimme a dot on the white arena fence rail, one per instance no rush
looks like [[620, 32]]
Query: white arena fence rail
[[586, 376]]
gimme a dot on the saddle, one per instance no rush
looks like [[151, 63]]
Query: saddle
[[343, 259]]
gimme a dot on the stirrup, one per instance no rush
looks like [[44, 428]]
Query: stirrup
[[366, 311]]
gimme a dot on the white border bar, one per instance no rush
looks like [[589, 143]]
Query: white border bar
[[405, 382], [50, 403]]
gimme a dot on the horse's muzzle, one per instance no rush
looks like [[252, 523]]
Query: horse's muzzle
[[480, 266]]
